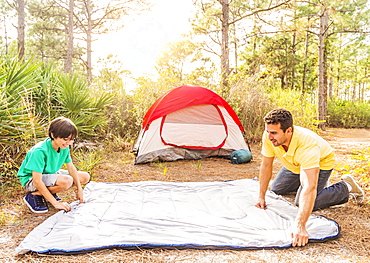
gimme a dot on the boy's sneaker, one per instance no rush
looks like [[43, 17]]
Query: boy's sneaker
[[56, 197], [356, 191], [36, 203]]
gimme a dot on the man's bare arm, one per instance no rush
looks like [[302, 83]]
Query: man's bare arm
[[309, 179], [264, 178]]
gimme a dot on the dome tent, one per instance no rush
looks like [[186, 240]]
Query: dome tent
[[189, 122]]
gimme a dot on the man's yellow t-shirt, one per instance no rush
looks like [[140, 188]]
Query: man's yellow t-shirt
[[306, 150]]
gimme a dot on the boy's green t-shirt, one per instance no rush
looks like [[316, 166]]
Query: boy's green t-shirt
[[44, 159]]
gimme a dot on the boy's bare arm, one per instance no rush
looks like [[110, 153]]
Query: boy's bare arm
[[76, 180]]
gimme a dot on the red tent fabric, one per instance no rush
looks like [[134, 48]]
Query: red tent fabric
[[182, 97], [189, 122]]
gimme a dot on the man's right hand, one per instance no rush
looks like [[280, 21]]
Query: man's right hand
[[261, 203]]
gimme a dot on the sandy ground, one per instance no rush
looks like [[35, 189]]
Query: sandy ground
[[352, 246]]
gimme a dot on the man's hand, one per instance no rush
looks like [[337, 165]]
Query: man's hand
[[299, 236], [261, 203], [62, 206]]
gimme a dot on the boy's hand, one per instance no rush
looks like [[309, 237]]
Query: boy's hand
[[80, 196], [62, 206]]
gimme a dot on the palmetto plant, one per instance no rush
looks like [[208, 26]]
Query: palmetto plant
[[44, 95], [75, 101], [17, 121], [19, 127], [60, 94]]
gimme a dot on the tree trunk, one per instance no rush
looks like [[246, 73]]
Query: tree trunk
[[21, 28], [6, 37], [89, 41], [322, 105], [293, 60], [235, 51], [354, 93], [225, 67], [304, 77], [364, 87], [330, 86], [68, 61]]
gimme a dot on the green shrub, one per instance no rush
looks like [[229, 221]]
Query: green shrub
[[9, 183], [348, 114], [122, 122], [302, 106], [251, 100], [251, 104], [87, 159]]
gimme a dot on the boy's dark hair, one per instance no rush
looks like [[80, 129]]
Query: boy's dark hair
[[62, 127], [281, 116]]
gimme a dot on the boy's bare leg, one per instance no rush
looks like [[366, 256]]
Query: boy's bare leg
[[65, 182]]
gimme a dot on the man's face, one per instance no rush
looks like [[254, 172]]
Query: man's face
[[277, 136]]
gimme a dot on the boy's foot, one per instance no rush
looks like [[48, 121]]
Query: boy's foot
[[356, 191], [36, 203], [56, 197]]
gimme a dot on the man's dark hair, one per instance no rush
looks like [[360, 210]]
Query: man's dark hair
[[281, 116], [62, 127]]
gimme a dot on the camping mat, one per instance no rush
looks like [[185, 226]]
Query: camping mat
[[155, 214]]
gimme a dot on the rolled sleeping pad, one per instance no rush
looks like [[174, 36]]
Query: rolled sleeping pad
[[240, 156]]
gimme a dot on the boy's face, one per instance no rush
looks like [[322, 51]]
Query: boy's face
[[62, 143]]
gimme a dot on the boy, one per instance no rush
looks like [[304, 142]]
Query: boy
[[40, 174]]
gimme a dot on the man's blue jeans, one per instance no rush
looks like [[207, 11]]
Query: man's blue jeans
[[286, 182]]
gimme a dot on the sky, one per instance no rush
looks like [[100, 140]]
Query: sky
[[142, 39]]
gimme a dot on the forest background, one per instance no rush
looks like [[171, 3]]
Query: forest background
[[310, 57]]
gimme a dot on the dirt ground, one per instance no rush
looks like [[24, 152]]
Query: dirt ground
[[352, 246]]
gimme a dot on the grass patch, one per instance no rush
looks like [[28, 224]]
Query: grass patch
[[358, 167], [87, 160]]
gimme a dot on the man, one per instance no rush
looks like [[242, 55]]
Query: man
[[308, 161]]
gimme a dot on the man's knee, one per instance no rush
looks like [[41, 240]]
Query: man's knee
[[278, 188], [278, 191]]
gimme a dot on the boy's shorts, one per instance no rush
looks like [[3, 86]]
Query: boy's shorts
[[47, 179]]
